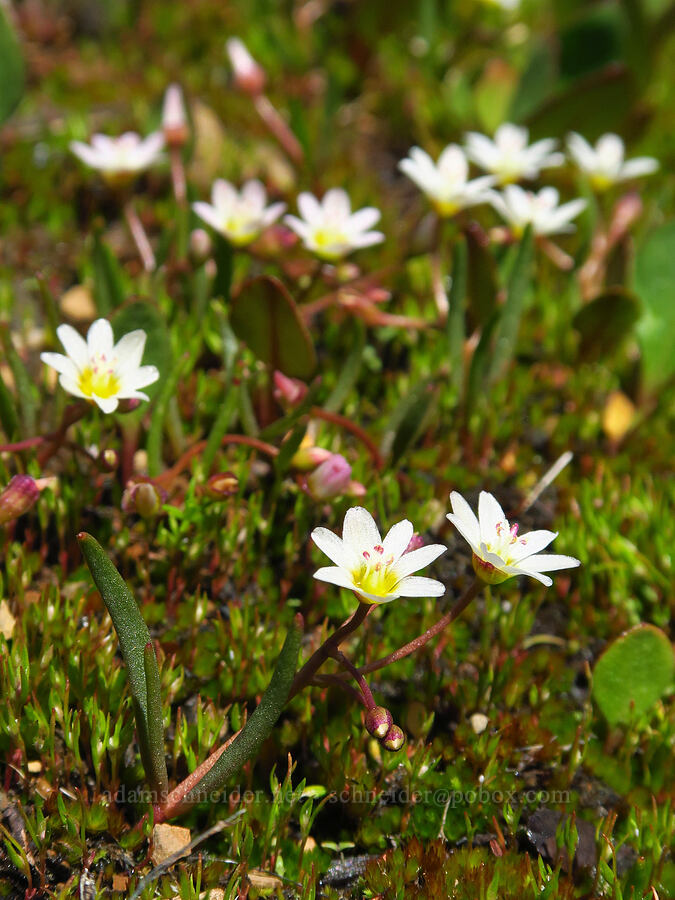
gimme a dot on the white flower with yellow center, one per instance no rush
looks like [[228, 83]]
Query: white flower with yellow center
[[521, 208], [605, 164], [508, 157], [119, 156], [329, 228], [499, 552], [446, 182], [376, 570], [99, 370], [240, 216]]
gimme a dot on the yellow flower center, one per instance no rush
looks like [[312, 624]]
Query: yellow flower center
[[374, 575], [99, 381], [240, 231]]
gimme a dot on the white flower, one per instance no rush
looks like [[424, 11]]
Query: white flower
[[446, 182], [98, 370], [121, 155], [520, 208], [248, 74], [329, 228], [375, 569], [508, 157], [239, 216], [605, 164], [498, 551], [174, 116]]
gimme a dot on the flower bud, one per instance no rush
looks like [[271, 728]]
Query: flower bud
[[378, 722], [416, 541], [248, 75], [200, 245], [331, 479], [143, 498], [307, 458], [174, 117], [394, 739], [109, 459], [18, 497], [290, 390], [220, 486]]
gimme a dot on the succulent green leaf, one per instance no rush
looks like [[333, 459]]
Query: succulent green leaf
[[265, 317], [157, 775], [654, 284], [633, 674]]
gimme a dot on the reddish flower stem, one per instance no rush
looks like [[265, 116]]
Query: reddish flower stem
[[346, 663], [168, 476], [277, 126], [140, 238], [318, 413]]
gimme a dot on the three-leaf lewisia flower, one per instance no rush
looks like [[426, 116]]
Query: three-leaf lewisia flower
[[446, 182], [499, 552], [120, 156], [508, 156], [100, 370], [240, 216], [377, 570], [329, 228], [605, 163], [542, 210]]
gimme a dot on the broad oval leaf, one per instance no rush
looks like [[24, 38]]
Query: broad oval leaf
[[655, 286], [633, 673], [265, 317], [605, 322]]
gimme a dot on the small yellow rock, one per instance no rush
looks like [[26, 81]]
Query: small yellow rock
[[78, 303], [167, 840], [617, 416], [7, 620]]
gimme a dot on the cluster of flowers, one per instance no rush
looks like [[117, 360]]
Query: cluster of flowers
[[379, 570], [330, 229]]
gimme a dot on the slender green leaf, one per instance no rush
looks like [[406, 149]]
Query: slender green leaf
[[109, 291], [350, 370], [605, 322], [12, 74], [25, 389], [226, 413], [223, 255], [455, 323], [8, 415], [157, 777], [289, 447], [511, 312], [406, 423], [654, 284], [482, 286]]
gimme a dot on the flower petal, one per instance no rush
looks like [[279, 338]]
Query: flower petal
[[106, 404], [418, 586], [335, 575], [364, 219], [417, 559], [100, 338], [464, 519], [359, 530], [548, 562], [129, 349], [74, 345], [62, 364], [334, 548], [490, 514], [397, 539], [530, 543], [310, 209]]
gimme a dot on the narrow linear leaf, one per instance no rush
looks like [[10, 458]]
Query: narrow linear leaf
[[481, 277], [157, 777], [510, 314], [289, 447], [265, 317], [350, 371], [455, 323], [132, 631], [223, 256], [108, 289], [480, 362], [262, 721], [226, 414], [407, 420], [12, 70]]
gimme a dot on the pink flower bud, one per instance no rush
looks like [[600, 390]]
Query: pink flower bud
[[307, 458], [248, 75], [200, 245], [331, 479], [416, 541], [143, 497], [378, 722], [290, 390], [18, 497], [174, 117], [394, 739]]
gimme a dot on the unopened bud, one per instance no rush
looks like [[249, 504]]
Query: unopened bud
[[416, 541], [290, 390], [128, 405], [394, 739], [174, 118], [200, 245], [378, 722], [248, 75], [331, 479], [222, 485], [144, 498], [307, 458], [18, 497], [109, 459]]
